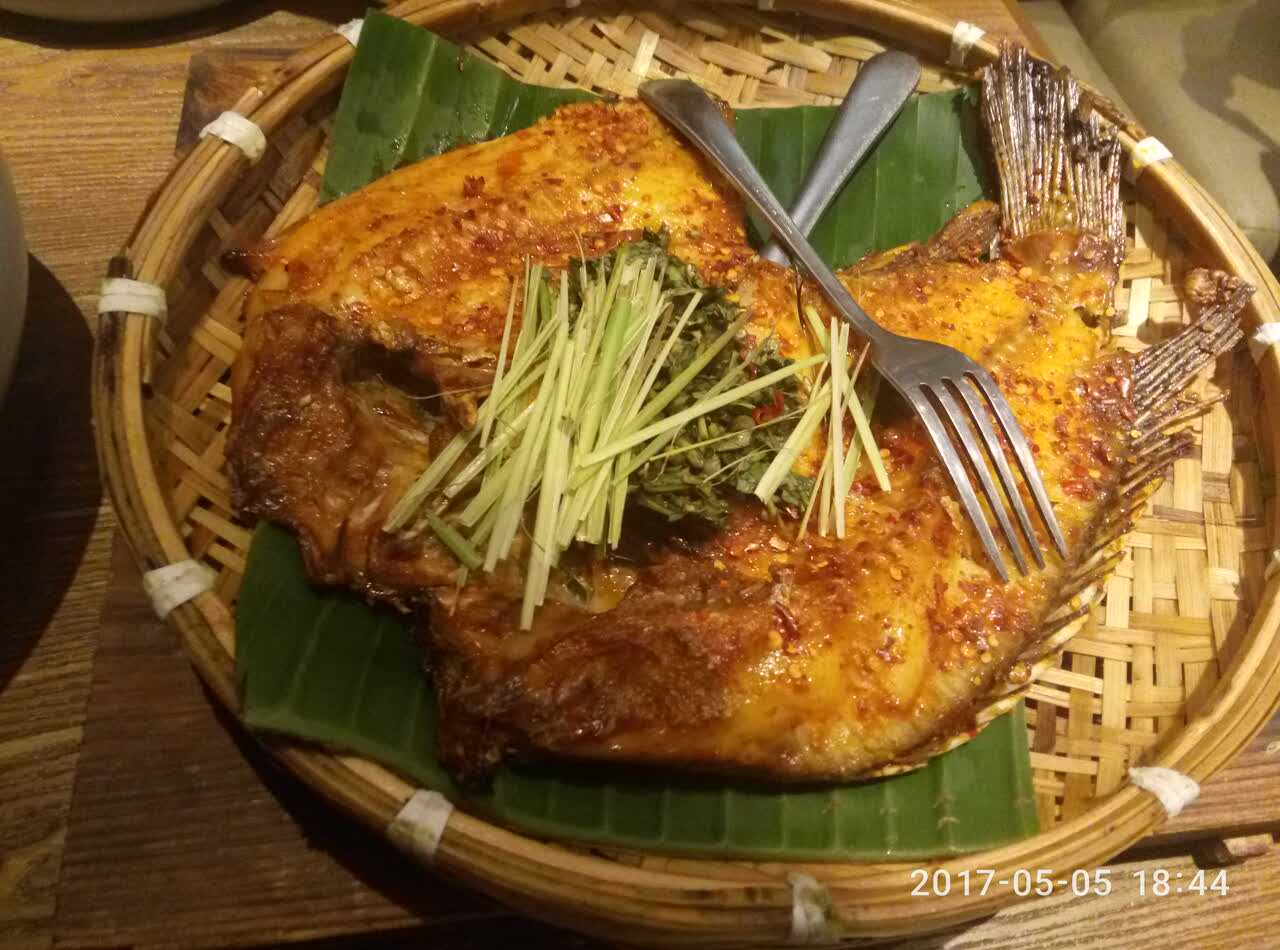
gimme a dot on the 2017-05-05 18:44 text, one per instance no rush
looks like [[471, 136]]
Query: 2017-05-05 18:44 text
[[1042, 882]]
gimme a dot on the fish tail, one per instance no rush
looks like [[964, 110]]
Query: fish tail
[[1059, 163]]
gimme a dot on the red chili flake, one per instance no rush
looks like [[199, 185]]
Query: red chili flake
[[1083, 488], [472, 186], [762, 414], [900, 453], [865, 486]]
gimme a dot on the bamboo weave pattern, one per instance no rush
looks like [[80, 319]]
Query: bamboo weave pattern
[[1192, 571]]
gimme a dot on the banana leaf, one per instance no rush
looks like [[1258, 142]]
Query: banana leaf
[[324, 666]]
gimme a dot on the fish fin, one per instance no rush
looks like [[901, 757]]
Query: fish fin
[[1059, 163], [1164, 370], [967, 237]]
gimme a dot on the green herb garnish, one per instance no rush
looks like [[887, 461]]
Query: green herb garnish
[[630, 382]]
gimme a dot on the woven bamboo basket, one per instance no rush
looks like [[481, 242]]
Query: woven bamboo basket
[[1177, 664]]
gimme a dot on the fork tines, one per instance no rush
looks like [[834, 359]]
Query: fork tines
[[952, 406]]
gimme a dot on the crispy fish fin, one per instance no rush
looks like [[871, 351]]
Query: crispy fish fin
[[1162, 371], [1164, 404], [967, 237], [1059, 163]]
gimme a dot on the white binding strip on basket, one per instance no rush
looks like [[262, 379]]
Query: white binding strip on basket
[[419, 826], [810, 904], [963, 38], [1273, 565], [174, 584], [350, 31], [1264, 338], [1174, 789], [123, 295], [243, 133], [1147, 152]]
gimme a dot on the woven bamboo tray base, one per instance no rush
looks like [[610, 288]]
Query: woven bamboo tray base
[[1142, 676], [1192, 571]]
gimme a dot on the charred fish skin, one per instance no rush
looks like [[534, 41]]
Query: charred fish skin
[[743, 650]]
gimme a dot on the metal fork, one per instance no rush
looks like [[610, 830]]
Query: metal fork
[[883, 85], [935, 379]]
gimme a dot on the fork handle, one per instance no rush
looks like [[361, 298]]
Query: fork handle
[[881, 88], [689, 109]]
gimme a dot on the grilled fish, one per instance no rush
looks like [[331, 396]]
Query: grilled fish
[[372, 333]]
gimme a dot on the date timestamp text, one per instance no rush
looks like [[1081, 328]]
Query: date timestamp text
[[1041, 882]]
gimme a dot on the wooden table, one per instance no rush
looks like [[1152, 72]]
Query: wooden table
[[131, 812]]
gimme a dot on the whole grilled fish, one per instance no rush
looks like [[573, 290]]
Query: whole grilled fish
[[373, 329]]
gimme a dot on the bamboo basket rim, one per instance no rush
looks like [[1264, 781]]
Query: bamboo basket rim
[[693, 900]]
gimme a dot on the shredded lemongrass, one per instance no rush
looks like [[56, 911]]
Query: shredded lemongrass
[[487, 426], [491, 451], [736, 369], [454, 541], [555, 461], [829, 402], [820, 483], [673, 389], [801, 436], [861, 410], [702, 408], [528, 456], [409, 504], [660, 358], [816, 328], [579, 406], [838, 337]]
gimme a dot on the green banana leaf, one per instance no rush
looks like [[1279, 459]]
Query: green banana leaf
[[322, 665]]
